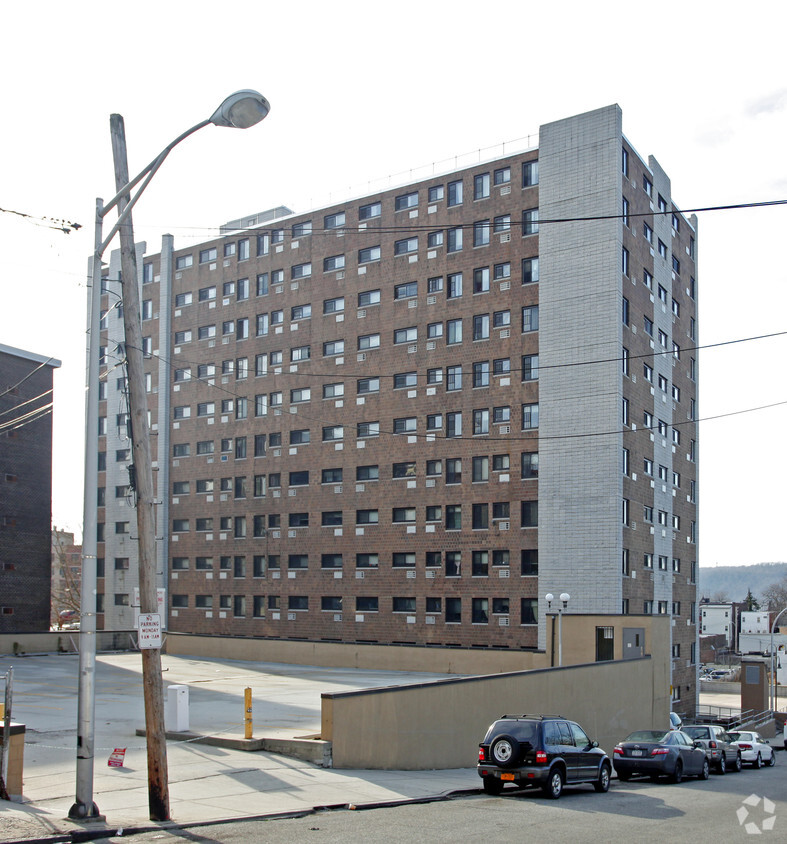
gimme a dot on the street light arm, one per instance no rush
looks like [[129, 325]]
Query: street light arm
[[149, 172]]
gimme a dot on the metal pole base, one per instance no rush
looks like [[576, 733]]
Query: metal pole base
[[81, 812]]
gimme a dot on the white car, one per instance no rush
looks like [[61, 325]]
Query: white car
[[753, 747]]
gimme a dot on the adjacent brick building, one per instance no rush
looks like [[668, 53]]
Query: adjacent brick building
[[25, 488], [407, 417]]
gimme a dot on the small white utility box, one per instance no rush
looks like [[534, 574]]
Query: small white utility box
[[176, 710]]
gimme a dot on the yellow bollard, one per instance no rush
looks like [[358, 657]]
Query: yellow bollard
[[247, 717]]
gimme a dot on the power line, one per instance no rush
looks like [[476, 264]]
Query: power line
[[438, 226], [22, 404], [29, 375], [56, 223]]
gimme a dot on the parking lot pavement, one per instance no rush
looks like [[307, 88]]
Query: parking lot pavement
[[205, 783]]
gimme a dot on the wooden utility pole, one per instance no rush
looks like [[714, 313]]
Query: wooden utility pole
[[153, 685]]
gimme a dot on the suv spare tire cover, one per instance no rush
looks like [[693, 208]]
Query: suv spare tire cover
[[504, 750]]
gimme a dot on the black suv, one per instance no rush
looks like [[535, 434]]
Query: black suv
[[540, 750]]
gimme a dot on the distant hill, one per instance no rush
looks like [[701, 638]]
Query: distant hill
[[735, 581]]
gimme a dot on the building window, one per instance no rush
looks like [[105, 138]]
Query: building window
[[367, 212], [481, 186], [530, 270], [454, 238], [529, 173], [455, 193], [529, 465], [529, 610], [480, 611], [405, 201], [406, 245], [503, 176], [529, 416], [368, 341], [530, 367], [369, 254], [481, 233], [406, 291], [529, 512], [530, 222]]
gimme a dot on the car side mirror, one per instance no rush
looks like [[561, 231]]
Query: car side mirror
[[698, 744], [594, 744]]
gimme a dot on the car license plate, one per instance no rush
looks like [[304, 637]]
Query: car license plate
[[507, 777], [636, 753]]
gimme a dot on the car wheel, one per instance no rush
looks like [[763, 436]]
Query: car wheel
[[504, 751], [721, 767], [772, 761], [553, 787], [738, 764], [677, 774], [705, 772], [602, 783], [492, 785], [758, 761]]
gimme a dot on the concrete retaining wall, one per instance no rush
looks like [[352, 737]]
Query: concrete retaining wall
[[351, 655], [438, 725], [65, 641]]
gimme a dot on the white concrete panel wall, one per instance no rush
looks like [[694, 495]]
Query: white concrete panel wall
[[580, 477], [662, 402]]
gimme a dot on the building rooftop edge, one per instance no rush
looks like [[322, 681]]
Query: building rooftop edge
[[21, 353]]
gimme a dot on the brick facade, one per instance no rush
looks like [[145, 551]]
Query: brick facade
[[25, 489], [344, 466]]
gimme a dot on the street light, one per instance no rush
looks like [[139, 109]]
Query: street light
[[240, 110], [774, 700], [564, 599]]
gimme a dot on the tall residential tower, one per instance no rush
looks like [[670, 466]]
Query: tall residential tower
[[407, 417]]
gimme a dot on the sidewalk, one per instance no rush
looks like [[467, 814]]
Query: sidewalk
[[206, 783]]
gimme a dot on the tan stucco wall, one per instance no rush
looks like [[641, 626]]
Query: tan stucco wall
[[439, 725]]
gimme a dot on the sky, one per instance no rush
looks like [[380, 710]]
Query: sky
[[362, 96]]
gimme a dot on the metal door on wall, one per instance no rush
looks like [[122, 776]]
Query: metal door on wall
[[633, 642]]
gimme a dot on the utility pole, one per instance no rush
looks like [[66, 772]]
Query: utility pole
[[153, 685]]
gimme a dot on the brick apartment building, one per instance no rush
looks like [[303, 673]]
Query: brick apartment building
[[407, 417], [25, 488]]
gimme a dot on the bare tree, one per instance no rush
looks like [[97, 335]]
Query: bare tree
[[66, 580], [775, 596], [720, 597]]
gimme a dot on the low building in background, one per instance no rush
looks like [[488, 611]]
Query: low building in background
[[66, 579]]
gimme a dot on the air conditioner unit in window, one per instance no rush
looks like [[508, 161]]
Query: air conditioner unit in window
[[359, 575], [505, 237], [361, 313], [431, 345], [504, 525], [361, 357], [431, 300], [503, 621], [337, 616], [413, 303]]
